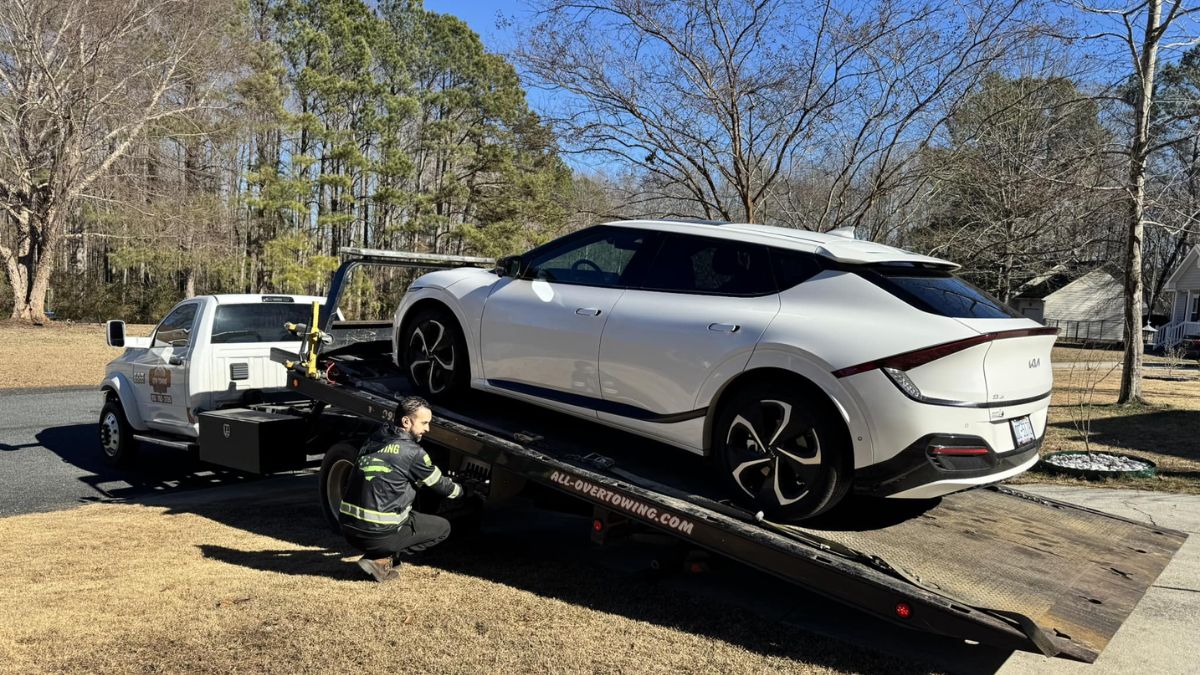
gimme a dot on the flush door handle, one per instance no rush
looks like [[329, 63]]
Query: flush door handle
[[723, 327]]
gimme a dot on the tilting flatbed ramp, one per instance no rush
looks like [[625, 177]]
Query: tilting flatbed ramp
[[992, 565]]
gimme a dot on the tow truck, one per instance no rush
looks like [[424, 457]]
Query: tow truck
[[992, 565]]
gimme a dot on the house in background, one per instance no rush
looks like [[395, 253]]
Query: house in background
[[1185, 307], [1084, 301]]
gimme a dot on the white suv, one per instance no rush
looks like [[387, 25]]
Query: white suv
[[805, 363]]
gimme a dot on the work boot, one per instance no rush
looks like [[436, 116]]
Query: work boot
[[378, 569]]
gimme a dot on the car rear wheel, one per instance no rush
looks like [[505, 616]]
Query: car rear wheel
[[116, 436], [435, 353], [782, 453]]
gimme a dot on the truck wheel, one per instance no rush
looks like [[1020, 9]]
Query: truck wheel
[[781, 454], [116, 436], [435, 353], [336, 466]]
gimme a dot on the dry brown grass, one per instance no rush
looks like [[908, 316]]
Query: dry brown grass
[[252, 586], [1084, 416], [56, 355]]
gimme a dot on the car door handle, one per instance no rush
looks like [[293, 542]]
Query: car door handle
[[587, 311], [723, 327]]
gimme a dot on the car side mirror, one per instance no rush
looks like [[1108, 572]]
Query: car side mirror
[[509, 266], [114, 332]]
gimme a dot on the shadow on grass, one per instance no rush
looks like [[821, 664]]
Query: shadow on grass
[[549, 554], [1162, 432], [155, 470]]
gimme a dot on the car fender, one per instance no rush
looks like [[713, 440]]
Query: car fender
[[820, 373], [126, 394], [464, 296]]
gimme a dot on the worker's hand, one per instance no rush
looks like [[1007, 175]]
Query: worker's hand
[[459, 492]]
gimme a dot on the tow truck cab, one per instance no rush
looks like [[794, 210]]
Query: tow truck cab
[[209, 352]]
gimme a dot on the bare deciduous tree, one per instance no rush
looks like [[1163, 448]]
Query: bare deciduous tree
[[1142, 31], [731, 105], [80, 80]]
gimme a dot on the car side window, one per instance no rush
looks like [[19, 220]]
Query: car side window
[[689, 264], [597, 260], [176, 329], [793, 268]]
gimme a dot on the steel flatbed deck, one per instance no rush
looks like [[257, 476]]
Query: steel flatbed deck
[[993, 565]]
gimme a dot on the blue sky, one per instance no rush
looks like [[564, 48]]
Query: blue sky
[[481, 16]]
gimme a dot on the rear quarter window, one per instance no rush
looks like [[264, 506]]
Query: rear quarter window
[[938, 292]]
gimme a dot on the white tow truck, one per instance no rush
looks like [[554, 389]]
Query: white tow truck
[[210, 352]]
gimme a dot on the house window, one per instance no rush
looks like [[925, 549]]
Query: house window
[[1194, 310]]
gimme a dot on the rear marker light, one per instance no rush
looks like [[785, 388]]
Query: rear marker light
[[903, 610], [597, 525]]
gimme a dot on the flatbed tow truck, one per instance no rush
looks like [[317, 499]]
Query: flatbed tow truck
[[991, 565]]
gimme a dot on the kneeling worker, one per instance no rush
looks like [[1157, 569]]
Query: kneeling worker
[[376, 513]]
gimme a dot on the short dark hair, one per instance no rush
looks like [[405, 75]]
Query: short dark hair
[[409, 405]]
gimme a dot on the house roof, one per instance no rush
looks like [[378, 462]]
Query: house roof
[[1188, 260], [1059, 277]]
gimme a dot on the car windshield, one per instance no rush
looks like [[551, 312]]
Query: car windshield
[[940, 293], [258, 322]]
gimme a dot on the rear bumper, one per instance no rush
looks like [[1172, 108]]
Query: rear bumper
[[917, 473]]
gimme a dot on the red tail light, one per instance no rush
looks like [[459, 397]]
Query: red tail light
[[919, 357], [953, 451], [903, 610]]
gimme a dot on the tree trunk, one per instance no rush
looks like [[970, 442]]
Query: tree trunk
[[1131, 370]]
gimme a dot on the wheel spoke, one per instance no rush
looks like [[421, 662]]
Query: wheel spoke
[[417, 333], [440, 335], [443, 364], [740, 422], [778, 475], [741, 468], [786, 409]]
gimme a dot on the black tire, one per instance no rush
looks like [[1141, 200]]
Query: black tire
[[335, 476], [116, 436], [803, 471], [434, 354]]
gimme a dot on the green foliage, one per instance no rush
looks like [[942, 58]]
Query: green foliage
[[352, 123], [293, 265]]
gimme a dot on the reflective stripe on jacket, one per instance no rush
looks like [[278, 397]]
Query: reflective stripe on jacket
[[383, 484]]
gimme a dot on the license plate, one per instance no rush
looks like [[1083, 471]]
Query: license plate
[[1022, 430]]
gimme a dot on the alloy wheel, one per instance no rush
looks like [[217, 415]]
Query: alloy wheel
[[775, 454], [431, 356]]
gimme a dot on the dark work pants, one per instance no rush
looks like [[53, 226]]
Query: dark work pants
[[419, 532]]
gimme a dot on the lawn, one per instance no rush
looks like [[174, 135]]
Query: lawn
[[56, 355], [1084, 416], [254, 584]]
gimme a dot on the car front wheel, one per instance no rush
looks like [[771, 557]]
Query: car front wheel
[[781, 453], [435, 353]]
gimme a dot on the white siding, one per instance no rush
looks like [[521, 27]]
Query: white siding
[[1189, 279], [1095, 300]]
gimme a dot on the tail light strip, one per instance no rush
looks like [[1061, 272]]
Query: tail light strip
[[918, 357]]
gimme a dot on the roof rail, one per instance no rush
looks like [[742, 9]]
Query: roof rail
[[694, 221]]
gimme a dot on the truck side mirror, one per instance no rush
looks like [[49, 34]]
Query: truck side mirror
[[114, 332], [509, 266]]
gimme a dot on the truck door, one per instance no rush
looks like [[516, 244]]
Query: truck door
[[161, 371]]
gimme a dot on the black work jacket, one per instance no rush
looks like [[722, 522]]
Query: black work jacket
[[391, 467]]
